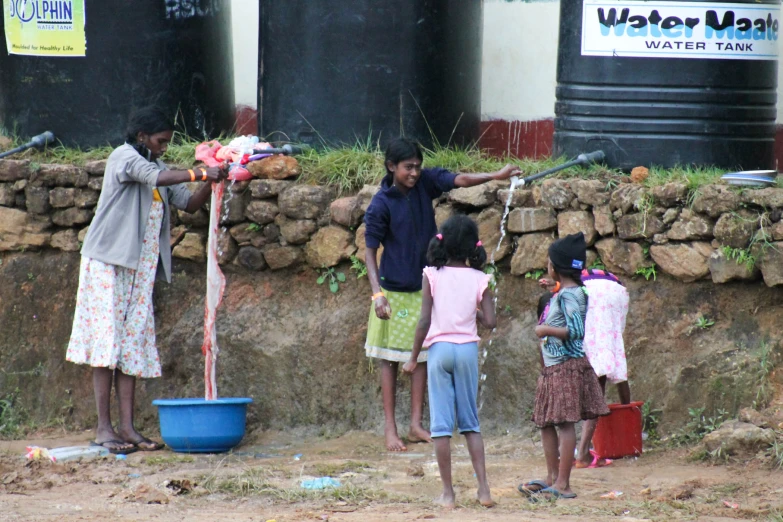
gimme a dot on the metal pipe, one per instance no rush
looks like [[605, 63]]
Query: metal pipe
[[583, 160], [39, 142]]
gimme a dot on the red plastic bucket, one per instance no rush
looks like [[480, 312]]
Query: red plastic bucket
[[619, 434]]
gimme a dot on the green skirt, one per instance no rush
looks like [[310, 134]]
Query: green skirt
[[392, 339]]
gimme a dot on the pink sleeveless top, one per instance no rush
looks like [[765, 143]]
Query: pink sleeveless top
[[456, 292]]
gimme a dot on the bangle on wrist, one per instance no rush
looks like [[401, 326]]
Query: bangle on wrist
[[556, 289], [203, 174], [192, 175], [376, 296]]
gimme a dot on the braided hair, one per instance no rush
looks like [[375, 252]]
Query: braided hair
[[458, 240]]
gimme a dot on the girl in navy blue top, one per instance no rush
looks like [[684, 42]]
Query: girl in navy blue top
[[401, 219]]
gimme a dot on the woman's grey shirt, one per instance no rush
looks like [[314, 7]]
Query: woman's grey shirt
[[117, 231]]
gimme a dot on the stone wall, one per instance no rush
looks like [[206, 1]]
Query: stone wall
[[297, 348], [275, 224]]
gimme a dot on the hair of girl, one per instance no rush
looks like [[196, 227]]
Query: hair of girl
[[571, 273], [401, 149], [542, 302], [149, 120], [458, 240]]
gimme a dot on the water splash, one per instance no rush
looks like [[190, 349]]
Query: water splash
[[224, 228], [485, 352]]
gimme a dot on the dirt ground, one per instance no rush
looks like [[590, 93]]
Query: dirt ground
[[261, 480]]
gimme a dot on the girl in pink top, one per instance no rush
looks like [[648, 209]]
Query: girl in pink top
[[453, 288]]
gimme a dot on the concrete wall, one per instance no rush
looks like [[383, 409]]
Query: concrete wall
[[244, 24]]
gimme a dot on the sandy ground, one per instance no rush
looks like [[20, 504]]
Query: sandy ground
[[261, 482]]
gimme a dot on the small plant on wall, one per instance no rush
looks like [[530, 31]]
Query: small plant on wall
[[647, 272], [359, 267], [331, 276]]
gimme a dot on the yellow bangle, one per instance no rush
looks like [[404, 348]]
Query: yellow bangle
[[203, 174], [376, 296], [192, 175]]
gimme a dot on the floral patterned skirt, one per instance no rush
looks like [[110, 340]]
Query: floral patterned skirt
[[604, 326], [114, 323]]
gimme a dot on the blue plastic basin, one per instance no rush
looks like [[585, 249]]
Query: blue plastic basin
[[201, 426]]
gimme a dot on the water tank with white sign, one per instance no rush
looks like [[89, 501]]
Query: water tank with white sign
[[668, 83], [174, 53]]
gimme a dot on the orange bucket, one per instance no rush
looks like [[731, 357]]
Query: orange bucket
[[619, 434]]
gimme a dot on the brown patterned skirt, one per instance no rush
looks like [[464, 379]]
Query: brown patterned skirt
[[568, 392]]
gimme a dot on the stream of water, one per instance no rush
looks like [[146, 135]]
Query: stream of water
[[226, 205], [485, 351]]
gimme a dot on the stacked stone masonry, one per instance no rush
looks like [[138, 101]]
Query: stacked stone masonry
[[716, 231]]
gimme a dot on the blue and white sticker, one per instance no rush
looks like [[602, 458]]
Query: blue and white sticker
[[701, 30]]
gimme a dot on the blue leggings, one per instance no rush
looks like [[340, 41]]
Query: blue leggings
[[452, 371]]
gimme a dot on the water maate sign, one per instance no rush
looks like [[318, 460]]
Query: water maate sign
[[702, 30], [45, 27]]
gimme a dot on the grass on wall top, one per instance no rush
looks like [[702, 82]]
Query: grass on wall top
[[348, 168]]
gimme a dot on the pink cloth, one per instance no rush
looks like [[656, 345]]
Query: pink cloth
[[607, 309], [456, 293]]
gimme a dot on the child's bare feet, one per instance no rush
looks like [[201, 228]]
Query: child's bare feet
[[393, 441], [485, 499], [418, 434], [446, 500]]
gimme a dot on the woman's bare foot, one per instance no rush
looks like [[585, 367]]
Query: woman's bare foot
[[446, 500], [485, 499], [394, 442], [418, 434]]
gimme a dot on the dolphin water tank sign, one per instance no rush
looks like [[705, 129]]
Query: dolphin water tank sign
[[668, 82], [78, 67]]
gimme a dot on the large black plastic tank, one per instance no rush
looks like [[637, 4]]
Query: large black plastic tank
[[175, 53], [668, 111], [337, 71]]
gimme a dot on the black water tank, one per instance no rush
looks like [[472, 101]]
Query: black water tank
[[667, 111], [339, 71], [175, 53]]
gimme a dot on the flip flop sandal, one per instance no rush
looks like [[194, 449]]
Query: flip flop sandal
[[596, 459], [595, 463], [557, 494], [527, 492], [115, 451], [155, 446]]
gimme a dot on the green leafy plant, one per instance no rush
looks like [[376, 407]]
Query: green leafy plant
[[358, 267], [253, 227], [535, 274], [704, 322], [647, 272], [334, 278], [741, 256], [31, 276], [698, 426], [495, 273], [650, 420], [597, 265], [12, 415]]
